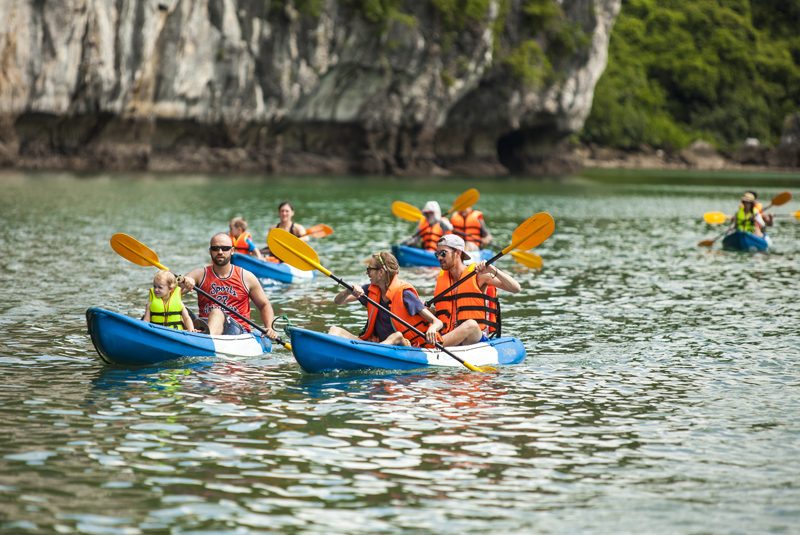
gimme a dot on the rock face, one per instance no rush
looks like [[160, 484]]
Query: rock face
[[296, 87]]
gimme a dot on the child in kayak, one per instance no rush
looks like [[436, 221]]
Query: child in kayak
[[164, 306], [243, 240], [400, 297]]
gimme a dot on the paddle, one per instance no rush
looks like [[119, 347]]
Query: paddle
[[709, 243], [299, 254], [318, 231], [406, 211], [531, 260], [714, 218], [135, 251], [465, 200], [529, 234]]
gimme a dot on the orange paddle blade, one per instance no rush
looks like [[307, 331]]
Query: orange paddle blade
[[714, 218], [406, 211], [135, 251], [465, 200], [319, 231], [531, 260], [706, 243], [294, 251], [781, 198], [532, 232]]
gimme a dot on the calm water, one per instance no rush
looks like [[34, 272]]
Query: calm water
[[661, 392]]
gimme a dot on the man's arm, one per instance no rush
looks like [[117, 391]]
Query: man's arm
[[496, 277]]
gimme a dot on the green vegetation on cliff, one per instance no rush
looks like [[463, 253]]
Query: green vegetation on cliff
[[679, 70]]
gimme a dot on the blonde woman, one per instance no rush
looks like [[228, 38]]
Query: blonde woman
[[398, 296]]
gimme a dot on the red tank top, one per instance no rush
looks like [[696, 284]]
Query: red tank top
[[231, 290]]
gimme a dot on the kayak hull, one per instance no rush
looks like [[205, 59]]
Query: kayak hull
[[127, 341], [414, 256], [745, 241], [318, 352], [271, 270]]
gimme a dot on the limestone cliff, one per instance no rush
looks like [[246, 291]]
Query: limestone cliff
[[310, 86]]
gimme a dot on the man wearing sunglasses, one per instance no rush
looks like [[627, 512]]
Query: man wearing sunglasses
[[233, 286], [471, 310]]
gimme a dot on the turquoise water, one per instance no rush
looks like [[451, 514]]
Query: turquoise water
[[661, 390]]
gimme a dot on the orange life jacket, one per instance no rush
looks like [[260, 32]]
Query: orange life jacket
[[429, 234], [468, 227], [467, 301], [394, 294], [240, 243]]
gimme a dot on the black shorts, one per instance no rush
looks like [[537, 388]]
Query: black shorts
[[231, 326]]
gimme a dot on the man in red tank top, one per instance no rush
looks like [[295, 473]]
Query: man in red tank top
[[231, 285]]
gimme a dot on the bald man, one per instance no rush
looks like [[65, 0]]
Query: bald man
[[231, 285]]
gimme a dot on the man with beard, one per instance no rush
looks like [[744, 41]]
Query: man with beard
[[230, 285], [471, 311]]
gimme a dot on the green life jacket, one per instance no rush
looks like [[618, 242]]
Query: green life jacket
[[744, 222], [171, 317]]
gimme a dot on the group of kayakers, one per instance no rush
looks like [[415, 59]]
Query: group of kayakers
[[467, 223], [465, 314]]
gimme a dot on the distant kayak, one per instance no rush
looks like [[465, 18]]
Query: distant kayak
[[127, 341], [414, 256], [271, 270], [319, 352], [745, 241]]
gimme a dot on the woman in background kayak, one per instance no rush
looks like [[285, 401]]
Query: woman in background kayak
[[286, 214]]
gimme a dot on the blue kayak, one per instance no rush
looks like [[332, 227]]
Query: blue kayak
[[127, 341], [271, 270], [414, 256], [319, 352], [745, 241]]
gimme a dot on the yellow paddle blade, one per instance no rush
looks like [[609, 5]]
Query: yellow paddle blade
[[465, 200], [796, 214], [532, 232], [319, 231], [294, 251], [531, 260], [714, 218], [135, 251], [781, 198], [406, 211]]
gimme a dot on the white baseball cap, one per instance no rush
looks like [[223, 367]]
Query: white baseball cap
[[454, 242]]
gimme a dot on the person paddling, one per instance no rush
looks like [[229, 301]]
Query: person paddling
[[759, 208], [386, 288], [471, 310], [433, 227], [164, 307], [241, 239], [231, 285], [747, 218], [469, 224]]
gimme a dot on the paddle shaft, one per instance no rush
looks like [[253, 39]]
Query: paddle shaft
[[404, 322], [238, 314]]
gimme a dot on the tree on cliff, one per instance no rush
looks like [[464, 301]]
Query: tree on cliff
[[685, 69]]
